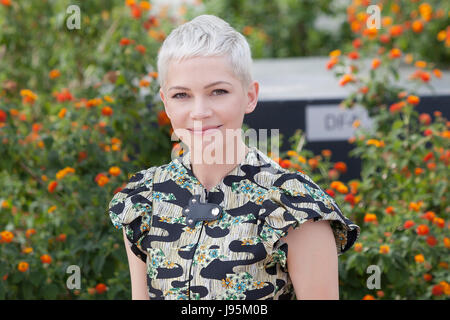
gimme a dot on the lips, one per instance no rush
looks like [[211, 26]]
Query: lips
[[205, 128]]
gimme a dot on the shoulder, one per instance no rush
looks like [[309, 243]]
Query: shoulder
[[138, 189]]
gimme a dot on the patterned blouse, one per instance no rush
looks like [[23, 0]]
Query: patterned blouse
[[223, 243]]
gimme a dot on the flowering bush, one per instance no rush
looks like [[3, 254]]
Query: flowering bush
[[400, 201], [75, 107]]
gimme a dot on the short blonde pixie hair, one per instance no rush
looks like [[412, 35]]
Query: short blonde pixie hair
[[205, 36]]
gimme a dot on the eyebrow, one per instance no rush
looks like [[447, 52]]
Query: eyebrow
[[206, 87]]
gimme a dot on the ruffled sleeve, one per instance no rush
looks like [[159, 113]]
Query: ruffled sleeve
[[131, 208], [293, 199]]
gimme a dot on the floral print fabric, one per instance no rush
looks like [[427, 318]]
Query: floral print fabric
[[237, 256]]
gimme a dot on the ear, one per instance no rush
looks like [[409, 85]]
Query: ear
[[161, 94], [252, 97]]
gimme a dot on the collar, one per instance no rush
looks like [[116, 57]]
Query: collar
[[251, 158]]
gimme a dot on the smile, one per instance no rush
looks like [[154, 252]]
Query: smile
[[205, 131]]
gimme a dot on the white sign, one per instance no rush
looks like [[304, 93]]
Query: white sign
[[329, 122]]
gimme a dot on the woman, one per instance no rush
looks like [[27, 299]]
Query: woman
[[205, 227]]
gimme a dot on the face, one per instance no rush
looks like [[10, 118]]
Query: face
[[202, 93]]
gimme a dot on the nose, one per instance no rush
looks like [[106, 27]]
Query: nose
[[200, 109]]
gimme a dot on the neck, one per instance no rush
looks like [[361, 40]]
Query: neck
[[210, 167]]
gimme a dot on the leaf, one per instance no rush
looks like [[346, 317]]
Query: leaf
[[98, 263], [397, 125], [50, 291]]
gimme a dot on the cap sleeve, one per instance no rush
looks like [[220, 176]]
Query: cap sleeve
[[131, 208], [295, 198]]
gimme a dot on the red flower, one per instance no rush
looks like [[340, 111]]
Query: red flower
[[101, 288], [425, 118], [427, 132], [422, 230], [357, 43], [431, 241], [428, 157], [330, 192], [52, 186], [353, 55], [437, 290], [2, 116], [408, 224], [350, 198]]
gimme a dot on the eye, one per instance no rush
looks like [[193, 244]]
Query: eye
[[221, 90], [175, 96]]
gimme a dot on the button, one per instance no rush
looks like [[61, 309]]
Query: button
[[215, 211]]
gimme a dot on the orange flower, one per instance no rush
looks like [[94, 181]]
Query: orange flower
[[6, 236], [396, 106], [163, 119], [107, 111], [332, 62], [52, 186], [415, 205], [437, 73], [413, 100], [23, 266], [439, 222], [370, 217], [145, 5], [140, 48], [369, 297], [144, 83], [390, 210], [429, 215], [376, 63], [346, 78], [358, 247], [422, 230], [395, 53], [335, 53], [54, 74], [384, 249], [101, 179], [447, 242], [45, 258], [114, 171], [62, 113], [396, 30], [417, 26], [341, 167], [62, 237], [419, 258], [28, 96], [30, 232], [27, 250]]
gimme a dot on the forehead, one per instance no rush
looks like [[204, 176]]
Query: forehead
[[205, 69]]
